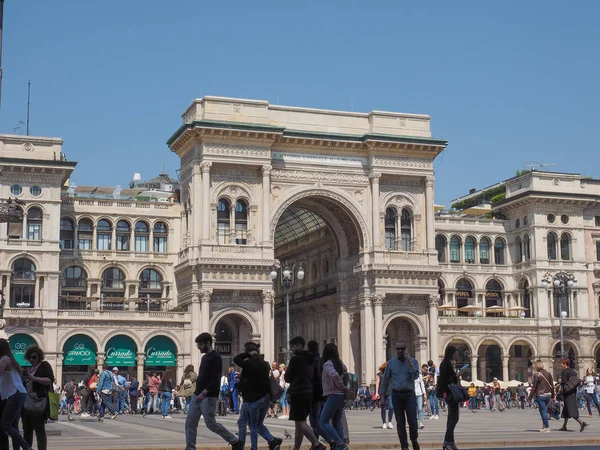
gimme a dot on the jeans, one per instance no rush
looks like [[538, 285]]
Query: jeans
[[165, 403], [487, 403], [254, 413], [133, 400], [206, 408], [332, 411], [235, 399], [187, 404], [591, 398], [390, 410], [315, 413], [420, 407], [434, 402], [542, 402], [498, 401], [10, 415], [122, 402], [473, 402], [453, 409], [405, 405], [522, 400], [107, 402], [153, 402]]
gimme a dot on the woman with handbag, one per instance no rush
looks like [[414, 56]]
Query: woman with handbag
[[15, 394], [446, 378], [188, 385], [570, 382], [542, 392], [38, 379]]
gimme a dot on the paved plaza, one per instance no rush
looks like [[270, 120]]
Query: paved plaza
[[513, 428]]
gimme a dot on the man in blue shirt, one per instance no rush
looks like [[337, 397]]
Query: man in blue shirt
[[402, 373], [233, 374]]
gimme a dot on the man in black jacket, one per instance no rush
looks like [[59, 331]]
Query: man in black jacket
[[317, 403], [254, 387], [300, 375], [204, 400]]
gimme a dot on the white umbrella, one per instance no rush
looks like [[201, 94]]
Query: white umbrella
[[447, 307], [495, 309], [518, 308], [470, 308]]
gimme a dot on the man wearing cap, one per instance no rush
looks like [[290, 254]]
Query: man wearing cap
[[121, 391]]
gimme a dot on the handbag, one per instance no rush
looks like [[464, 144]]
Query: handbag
[[54, 400], [457, 393], [35, 407], [572, 383]]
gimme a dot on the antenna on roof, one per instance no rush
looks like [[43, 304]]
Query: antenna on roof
[[534, 165]]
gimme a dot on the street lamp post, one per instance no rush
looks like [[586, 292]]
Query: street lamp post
[[562, 283], [287, 280]]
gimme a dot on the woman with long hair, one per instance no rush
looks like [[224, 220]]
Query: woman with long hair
[[448, 376], [13, 391], [188, 385], [589, 383], [334, 388], [38, 380], [166, 392], [570, 410], [387, 405]]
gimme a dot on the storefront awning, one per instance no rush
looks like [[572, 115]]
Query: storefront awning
[[120, 351], [80, 350], [160, 351], [18, 345]]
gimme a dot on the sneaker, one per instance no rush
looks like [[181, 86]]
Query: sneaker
[[100, 419], [421, 426], [275, 444], [167, 417], [545, 430], [238, 445], [384, 425], [85, 415], [113, 416], [390, 426], [436, 417]]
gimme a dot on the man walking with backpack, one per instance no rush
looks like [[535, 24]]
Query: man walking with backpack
[[107, 386], [254, 387]]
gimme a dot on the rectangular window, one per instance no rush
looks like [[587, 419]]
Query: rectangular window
[[484, 255], [123, 241], [66, 244], [240, 233], [390, 238], [15, 230], [85, 244], [597, 250], [454, 254], [160, 244], [597, 218], [223, 233], [141, 243], [406, 242], [103, 242], [22, 296], [34, 231]]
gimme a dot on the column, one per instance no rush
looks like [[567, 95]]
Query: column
[[375, 208], [268, 297], [429, 214], [205, 165], [434, 339], [179, 369], [95, 237], [37, 300], [100, 357], [205, 296], [366, 343], [343, 333], [196, 328], [377, 300], [140, 358], [505, 369], [474, 367], [59, 369], [266, 205]]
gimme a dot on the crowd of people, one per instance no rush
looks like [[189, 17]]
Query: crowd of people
[[312, 391]]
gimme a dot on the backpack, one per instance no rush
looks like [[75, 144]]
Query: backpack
[[70, 389]]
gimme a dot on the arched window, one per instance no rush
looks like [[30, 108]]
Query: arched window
[[406, 230], [561, 303], [499, 251], [565, 247], [552, 241], [123, 235], [464, 294], [241, 222], [67, 233], [455, 245], [74, 277], [484, 250], [526, 248], [223, 216], [470, 250], [142, 236], [440, 246], [390, 229], [518, 250], [22, 284], [85, 234], [160, 237], [14, 228], [34, 224], [150, 279], [526, 297], [113, 280], [103, 235], [493, 294]]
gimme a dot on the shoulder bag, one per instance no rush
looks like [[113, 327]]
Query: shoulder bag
[[457, 393], [572, 383], [33, 405]]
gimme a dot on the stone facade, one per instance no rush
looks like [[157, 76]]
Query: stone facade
[[346, 196]]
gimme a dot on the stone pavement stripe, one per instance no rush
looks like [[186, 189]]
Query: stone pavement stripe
[[127, 426], [89, 430]]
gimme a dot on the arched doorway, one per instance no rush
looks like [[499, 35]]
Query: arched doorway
[[79, 356], [520, 361], [464, 359], [121, 352], [320, 231], [490, 361], [224, 342], [231, 331], [399, 328], [464, 295], [494, 299]]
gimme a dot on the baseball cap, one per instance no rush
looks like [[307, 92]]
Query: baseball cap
[[115, 368]]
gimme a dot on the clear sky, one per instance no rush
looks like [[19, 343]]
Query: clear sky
[[505, 82]]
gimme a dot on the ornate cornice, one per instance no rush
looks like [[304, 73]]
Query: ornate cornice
[[434, 301], [377, 299], [205, 295], [333, 177], [268, 296]]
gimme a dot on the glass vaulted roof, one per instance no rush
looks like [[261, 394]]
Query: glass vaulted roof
[[296, 223]]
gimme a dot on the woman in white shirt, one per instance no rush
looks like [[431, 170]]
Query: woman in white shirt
[[13, 391], [589, 382], [421, 394]]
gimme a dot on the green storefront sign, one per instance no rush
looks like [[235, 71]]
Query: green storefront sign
[[161, 351], [120, 351], [80, 350], [18, 345]]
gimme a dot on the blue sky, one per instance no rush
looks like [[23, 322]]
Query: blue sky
[[505, 82]]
